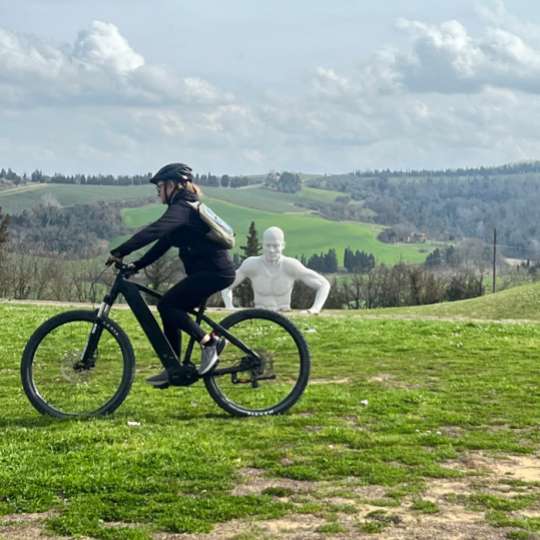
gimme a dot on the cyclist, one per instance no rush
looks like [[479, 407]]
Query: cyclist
[[208, 267]]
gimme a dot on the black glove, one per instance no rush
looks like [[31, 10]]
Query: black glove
[[113, 259]]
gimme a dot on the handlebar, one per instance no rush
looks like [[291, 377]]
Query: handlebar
[[122, 267]]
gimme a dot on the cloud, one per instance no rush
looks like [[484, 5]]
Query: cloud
[[104, 47], [99, 68], [445, 58], [445, 98]]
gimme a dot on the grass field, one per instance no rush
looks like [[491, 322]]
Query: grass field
[[15, 200], [519, 303], [408, 429], [271, 201], [305, 234]]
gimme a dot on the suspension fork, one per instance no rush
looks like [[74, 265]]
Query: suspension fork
[[95, 334]]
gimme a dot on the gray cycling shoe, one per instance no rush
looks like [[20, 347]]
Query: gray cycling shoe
[[210, 354]]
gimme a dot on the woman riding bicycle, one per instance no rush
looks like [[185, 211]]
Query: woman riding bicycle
[[208, 266]]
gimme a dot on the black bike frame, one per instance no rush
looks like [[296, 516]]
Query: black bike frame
[[162, 347]]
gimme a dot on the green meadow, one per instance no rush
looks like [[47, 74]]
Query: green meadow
[[16, 200], [304, 233], [272, 201], [413, 425]]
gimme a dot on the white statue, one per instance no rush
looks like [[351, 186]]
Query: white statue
[[273, 275]]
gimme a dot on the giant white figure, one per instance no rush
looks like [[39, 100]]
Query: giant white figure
[[273, 275]]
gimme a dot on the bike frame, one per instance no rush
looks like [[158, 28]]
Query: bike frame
[[131, 292]]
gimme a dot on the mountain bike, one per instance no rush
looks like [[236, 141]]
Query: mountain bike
[[81, 363]]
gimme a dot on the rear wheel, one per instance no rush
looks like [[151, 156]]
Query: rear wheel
[[271, 380], [60, 383]]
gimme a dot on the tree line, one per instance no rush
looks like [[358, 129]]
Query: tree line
[[24, 274], [506, 169], [37, 175], [285, 182], [453, 208]]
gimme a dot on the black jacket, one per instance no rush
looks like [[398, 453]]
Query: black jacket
[[180, 226]]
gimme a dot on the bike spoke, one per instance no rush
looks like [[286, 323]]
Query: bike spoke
[[259, 382], [64, 381]]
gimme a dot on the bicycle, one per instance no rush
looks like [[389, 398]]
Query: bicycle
[[81, 363]]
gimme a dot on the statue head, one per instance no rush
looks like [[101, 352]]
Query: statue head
[[273, 244]]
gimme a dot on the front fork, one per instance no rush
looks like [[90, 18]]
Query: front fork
[[88, 356]]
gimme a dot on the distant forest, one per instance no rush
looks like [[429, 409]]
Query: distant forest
[[449, 205]]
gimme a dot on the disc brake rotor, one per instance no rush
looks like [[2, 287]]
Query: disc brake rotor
[[72, 370]]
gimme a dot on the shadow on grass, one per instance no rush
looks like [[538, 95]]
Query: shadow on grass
[[29, 421]]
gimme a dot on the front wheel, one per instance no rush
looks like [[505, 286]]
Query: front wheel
[[76, 365], [271, 380]]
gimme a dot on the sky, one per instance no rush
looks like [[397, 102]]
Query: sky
[[244, 87]]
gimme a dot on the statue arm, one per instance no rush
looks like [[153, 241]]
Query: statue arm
[[227, 294], [315, 281]]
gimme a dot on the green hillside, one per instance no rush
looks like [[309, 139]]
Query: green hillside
[[305, 234], [15, 200], [520, 303], [272, 201]]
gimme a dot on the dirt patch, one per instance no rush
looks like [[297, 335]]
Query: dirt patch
[[253, 482], [390, 381], [446, 526], [25, 527], [295, 527], [440, 489], [524, 468], [342, 380]]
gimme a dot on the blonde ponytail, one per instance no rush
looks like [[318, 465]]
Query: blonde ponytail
[[193, 188]]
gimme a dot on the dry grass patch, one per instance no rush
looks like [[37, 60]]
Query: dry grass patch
[[25, 526]]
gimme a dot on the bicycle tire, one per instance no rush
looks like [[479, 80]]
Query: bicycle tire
[[212, 384], [128, 363]]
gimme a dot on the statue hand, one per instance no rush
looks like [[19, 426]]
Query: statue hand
[[309, 311]]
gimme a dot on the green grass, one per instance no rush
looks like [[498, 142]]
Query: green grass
[[304, 234], [391, 403], [17, 199], [521, 302], [14, 200], [271, 201]]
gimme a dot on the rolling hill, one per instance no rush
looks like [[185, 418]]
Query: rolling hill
[[517, 303], [306, 232]]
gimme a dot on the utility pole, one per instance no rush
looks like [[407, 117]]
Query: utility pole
[[494, 256]]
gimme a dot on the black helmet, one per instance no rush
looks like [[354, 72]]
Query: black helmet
[[177, 172]]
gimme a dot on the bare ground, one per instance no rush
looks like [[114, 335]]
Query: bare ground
[[482, 473]]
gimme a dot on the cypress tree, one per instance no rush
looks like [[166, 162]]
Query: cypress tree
[[252, 247]]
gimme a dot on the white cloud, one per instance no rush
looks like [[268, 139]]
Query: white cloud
[[99, 68], [104, 46], [328, 82], [445, 58], [445, 98]]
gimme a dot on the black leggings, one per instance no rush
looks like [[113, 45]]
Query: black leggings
[[185, 295]]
